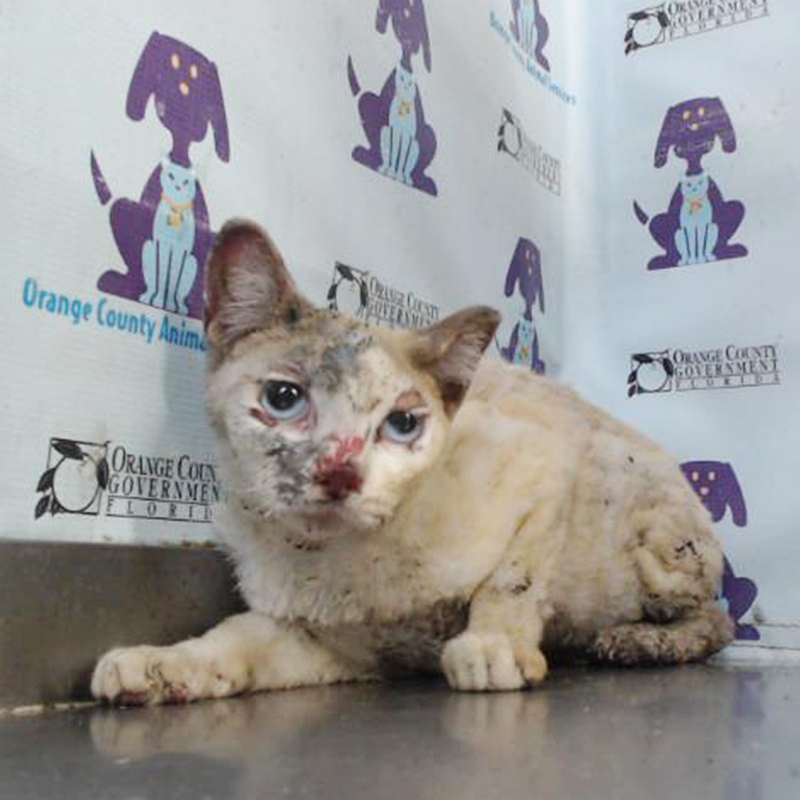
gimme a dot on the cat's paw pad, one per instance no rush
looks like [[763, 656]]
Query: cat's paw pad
[[531, 662], [145, 676], [480, 662], [636, 644]]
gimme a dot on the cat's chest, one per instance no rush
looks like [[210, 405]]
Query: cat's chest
[[403, 109], [695, 209], [408, 644], [355, 585], [382, 608]]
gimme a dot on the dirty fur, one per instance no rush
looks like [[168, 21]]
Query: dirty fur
[[522, 522]]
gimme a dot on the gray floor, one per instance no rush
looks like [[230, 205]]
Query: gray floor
[[691, 733]]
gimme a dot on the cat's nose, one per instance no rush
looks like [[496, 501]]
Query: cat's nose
[[339, 481], [336, 473]]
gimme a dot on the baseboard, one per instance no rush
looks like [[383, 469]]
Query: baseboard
[[62, 605]]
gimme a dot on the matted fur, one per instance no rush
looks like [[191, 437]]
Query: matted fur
[[521, 522]]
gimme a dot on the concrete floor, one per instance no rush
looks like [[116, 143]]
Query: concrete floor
[[689, 734]]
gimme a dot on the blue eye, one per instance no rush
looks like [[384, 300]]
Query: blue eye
[[402, 427], [284, 400]]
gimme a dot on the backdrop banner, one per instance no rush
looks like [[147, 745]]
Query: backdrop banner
[[621, 182]]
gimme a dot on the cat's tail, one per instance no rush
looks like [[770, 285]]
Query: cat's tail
[[355, 86], [641, 215], [100, 185]]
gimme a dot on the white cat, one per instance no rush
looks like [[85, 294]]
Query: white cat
[[396, 504]]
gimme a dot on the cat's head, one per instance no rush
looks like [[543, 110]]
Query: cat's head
[[694, 185], [405, 84], [322, 418], [177, 181]]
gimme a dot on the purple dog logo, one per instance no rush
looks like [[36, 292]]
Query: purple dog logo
[[401, 144], [716, 485], [525, 274], [699, 224], [165, 236], [530, 30]]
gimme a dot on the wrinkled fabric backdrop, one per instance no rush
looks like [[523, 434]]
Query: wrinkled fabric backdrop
[[620, 183]]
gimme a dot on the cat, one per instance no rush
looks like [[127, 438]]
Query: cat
[[526, 350], [168, 266], [529, 33], [698, 234], [397, 503], [399, 145]]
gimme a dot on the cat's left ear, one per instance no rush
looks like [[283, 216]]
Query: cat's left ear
[[451, 349], [248, 287]]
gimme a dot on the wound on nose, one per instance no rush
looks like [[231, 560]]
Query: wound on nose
[[339, 480]]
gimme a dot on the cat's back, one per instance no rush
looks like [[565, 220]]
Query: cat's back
[[565, 445], [516, 437], [516, 394], [521, 396], [521, 421]]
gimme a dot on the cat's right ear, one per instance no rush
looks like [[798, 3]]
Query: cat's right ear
[[450, 351], [248, 287]]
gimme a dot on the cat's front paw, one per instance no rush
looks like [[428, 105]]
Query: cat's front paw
[[145, 675], [481, 662]]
